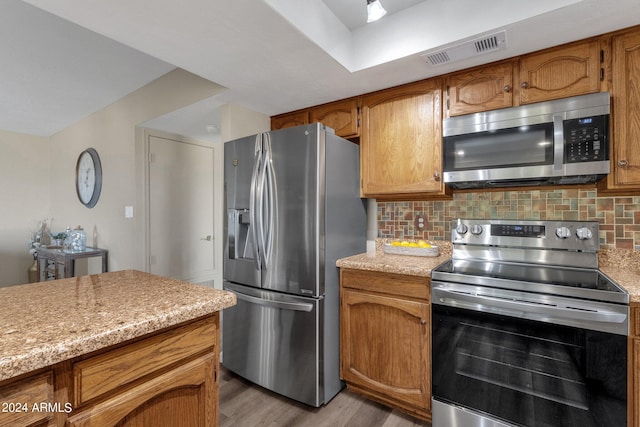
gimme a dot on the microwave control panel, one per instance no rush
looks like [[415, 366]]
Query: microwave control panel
[[586, 139]]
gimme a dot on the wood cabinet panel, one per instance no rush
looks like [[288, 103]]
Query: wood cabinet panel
[[633, 366], [24, 400], [556, 73], [626, 112], [387, 347], [481, 89], [342, 116], [101, 374], [559, 73], [633, 412], [392, 284], [290, 120], [401, 153], [183, 396], [385, 339]]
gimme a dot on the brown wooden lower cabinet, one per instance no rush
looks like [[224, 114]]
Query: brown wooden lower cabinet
[[165, 379], [385, 335], [633, 359]]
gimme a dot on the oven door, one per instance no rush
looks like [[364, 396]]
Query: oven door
[[492, 370]]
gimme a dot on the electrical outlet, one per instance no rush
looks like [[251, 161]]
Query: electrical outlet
[[420, 222]]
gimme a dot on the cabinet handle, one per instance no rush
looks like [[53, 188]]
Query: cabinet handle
[[623, 163], [436, 176], [423, 322], [507, 88], [524, 85]]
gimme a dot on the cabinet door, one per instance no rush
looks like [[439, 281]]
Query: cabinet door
[[480, 89], [340, 116], [186, 395], [290, 120], [401, 141], [626, 112], [634, 377], [385, 348], [559, 73]]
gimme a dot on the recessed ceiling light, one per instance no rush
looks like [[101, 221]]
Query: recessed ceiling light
[[375, 10]]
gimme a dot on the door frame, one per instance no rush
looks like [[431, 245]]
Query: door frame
[[144, 174]]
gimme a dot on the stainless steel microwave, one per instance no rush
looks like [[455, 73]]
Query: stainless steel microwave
[[565, 141]]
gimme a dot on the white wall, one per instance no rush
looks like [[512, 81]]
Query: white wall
[[24, 200], [113, 133], [37, 175]]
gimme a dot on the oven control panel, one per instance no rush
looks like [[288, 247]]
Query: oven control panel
[[567, 235], [518, 230]]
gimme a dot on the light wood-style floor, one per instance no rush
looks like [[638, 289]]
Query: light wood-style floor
[[243, 404]]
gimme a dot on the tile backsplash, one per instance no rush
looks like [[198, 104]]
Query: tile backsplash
[[619, 216]]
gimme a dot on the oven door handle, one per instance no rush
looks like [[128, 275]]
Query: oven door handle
[[544, 312]]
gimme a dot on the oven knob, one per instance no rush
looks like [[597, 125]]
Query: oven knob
[[476, 229], [584, 233], [461, 228], [563, 232]]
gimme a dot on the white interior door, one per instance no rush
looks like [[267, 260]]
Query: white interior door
[[181, 211]]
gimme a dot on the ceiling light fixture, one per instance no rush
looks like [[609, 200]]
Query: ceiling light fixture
[[375, 10]]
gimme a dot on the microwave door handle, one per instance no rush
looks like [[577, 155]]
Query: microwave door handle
[[558, 144]]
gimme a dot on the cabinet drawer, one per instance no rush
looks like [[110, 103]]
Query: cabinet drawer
[[386, 283], [18, 401], [100, 374], [634, 321]]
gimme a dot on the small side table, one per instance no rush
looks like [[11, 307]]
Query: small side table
[[57, 263]]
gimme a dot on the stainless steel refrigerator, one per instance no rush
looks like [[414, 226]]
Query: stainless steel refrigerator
[[292, 209]]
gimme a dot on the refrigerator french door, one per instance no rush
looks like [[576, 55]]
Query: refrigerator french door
[[292, 209]]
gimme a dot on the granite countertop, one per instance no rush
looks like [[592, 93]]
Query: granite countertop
[[399, 264], [49, 322], [621, 266]]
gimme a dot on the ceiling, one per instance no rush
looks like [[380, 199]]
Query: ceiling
[[64, 59]]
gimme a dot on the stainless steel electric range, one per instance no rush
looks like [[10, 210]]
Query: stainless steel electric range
[[526, 330]]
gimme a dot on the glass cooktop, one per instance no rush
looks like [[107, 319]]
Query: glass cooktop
[[573, 282]]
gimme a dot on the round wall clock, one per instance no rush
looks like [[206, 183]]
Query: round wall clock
[[88, 177]]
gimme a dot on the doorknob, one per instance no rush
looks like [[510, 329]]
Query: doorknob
[[208, 238]]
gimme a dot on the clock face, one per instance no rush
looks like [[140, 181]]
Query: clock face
[[88, 177]]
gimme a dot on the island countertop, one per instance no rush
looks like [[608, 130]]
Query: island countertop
[[48, 322]]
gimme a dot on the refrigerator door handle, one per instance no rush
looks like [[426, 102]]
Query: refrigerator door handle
[[253, 198], [262, 202], [271, 195], [294, 306]]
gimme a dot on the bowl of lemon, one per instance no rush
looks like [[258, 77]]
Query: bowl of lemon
[[408, 247]]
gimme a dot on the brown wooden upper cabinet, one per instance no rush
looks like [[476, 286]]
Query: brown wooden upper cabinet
[[625, 128], [290, 120], [569, 70], [342, 116], [400, 143], [480, 89]]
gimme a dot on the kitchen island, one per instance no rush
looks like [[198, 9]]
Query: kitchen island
[[122, 347]]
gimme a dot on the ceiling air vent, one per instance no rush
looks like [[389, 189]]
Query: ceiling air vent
[[490, 43]]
